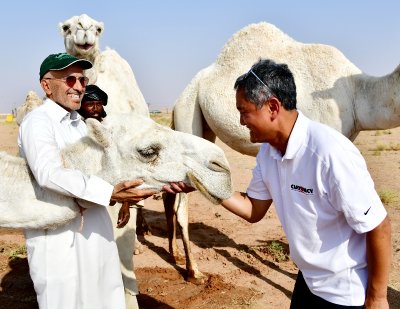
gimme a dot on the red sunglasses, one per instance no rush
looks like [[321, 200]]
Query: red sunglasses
[[71, 80]]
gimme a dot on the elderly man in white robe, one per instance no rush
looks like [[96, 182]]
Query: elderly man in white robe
[[75, 266]]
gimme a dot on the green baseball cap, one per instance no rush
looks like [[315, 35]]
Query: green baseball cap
[[61, 61]]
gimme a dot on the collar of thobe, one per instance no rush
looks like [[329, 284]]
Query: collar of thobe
[[62, 115]]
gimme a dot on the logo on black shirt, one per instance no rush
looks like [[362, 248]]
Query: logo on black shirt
[[302, 189]]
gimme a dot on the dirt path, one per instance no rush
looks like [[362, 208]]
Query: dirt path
[[246, 264]]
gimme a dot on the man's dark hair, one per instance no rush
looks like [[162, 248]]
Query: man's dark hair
[[265, 79]]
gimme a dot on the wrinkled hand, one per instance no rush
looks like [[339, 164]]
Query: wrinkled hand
[[178, 187], [123, 215], [126, 192]]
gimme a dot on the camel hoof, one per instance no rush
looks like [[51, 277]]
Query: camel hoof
[[198, 280], [139, 249]]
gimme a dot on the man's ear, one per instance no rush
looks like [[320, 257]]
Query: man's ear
[[274, 106], [45, 87]]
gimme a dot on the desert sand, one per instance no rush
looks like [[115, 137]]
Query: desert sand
[[246, 264]]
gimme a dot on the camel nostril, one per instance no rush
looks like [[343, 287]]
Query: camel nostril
[[217, 166]]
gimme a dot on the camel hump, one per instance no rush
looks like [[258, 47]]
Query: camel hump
[[250, 39]]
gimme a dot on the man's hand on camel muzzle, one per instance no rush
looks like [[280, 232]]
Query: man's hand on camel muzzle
[[178, 187], [126, 191]]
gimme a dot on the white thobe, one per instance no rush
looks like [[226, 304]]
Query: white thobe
[[70, 269]]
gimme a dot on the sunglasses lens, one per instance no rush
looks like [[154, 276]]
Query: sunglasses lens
[[84, 81], [70, 80]]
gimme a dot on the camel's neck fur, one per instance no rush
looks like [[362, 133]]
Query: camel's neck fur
[[88, 157], [378, 96], [91, 56]]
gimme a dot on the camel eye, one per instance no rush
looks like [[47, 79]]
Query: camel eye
[[99, 30], [150, 152], [65, 28]]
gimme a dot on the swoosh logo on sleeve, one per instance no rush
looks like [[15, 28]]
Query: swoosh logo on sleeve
[[365, 213]]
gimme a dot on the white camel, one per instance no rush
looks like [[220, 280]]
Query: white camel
[[32, 101], [110, 71], [330, 89], [114, 75], [123, 147]]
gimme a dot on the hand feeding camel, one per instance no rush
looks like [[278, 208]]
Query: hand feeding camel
[[330, 89], [122, 147]]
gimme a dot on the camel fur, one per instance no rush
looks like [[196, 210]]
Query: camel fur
[[112, 74], [110, 71], [330, 89], [32, 101], [124, 147]]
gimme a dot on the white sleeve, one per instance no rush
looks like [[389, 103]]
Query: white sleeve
[[257, 188], [352, 191]]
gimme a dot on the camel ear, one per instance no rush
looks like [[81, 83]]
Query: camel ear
[[100, 28], [63, 27], [98, 133]]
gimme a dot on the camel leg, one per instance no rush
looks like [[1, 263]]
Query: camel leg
[[170, 214], [142, 228], [182, 214], [125, 239]]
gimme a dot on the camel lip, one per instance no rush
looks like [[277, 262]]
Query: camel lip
[[85, 46], [203, 190]]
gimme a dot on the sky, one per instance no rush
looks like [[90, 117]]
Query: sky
[[166, 42]]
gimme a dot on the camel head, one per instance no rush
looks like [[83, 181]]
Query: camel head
[[81, 36], [122, 147], [130, 146]]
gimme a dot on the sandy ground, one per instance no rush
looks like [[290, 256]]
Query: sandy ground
[[246, 264]]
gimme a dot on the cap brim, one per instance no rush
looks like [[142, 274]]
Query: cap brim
[[85, 64]]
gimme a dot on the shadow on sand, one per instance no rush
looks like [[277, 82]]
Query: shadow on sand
[[17, 287]]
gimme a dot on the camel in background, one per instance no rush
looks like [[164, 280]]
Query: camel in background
[[32, 101], [110, 71], [330, 89]]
